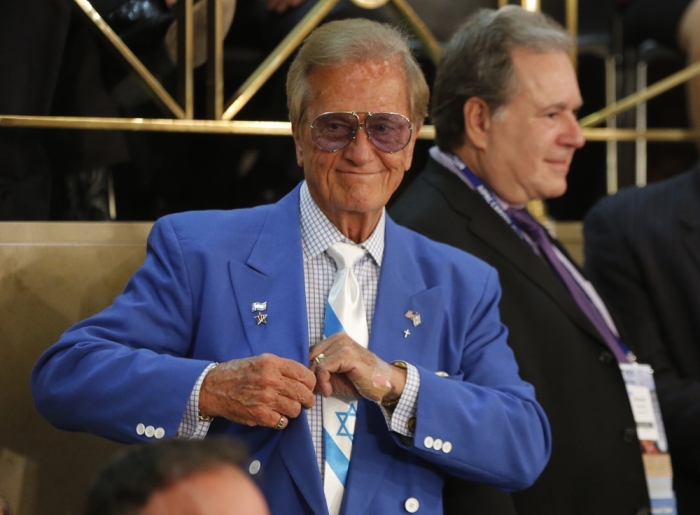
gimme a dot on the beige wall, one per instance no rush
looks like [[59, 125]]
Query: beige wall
[[52, 275], [571, 236]]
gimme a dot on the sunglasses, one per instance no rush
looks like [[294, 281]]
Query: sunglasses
[[389, 132]]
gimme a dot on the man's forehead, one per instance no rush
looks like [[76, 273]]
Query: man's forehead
[[363, 85], [357, 69], [546, 78]]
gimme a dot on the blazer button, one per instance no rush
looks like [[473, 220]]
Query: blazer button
[[411, 505], [629, 435], [140, 429], [428, 442], [606, 357], [150, 431], [254, 467]]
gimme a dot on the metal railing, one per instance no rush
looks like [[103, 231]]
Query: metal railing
[[219, 118], [220, 114]]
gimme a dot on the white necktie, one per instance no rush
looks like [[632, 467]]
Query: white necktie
[[345, 312]]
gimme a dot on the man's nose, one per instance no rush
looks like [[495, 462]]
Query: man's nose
[[573, 135], [360, 150]]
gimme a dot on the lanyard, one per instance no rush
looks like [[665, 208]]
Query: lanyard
[[486, 194]]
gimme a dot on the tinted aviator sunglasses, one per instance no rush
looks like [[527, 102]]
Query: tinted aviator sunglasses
[[333, 131]]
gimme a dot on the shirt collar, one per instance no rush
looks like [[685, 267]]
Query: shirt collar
[[318, 232]]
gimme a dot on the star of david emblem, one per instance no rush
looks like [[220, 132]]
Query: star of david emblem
[[261, 318], [343, 417]]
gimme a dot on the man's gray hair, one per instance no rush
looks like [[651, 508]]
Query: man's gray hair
[[344, 41], [477, 63]]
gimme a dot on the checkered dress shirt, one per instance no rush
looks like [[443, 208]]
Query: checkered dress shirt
[[317, 235]]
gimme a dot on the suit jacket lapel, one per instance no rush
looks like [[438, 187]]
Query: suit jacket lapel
[[274, 273], [486, 225]]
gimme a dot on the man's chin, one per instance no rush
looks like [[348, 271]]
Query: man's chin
[[555, 192]]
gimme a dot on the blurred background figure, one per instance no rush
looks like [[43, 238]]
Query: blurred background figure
[[32, 37], [177, 477], [50, 65], [642, 254]]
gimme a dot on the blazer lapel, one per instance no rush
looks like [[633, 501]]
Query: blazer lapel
[[274, 274], [277, 279], [486, 225]]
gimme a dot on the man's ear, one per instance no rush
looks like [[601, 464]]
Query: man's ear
[[297, 146], [477, 122]]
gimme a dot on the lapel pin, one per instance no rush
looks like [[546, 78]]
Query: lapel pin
[[258, 306], [406, 333], [261, 318], [414, 317]]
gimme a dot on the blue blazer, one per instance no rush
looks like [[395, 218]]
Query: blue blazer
[[190, 304]]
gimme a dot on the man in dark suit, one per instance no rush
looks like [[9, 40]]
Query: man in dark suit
[[504, 108], [643, 255]]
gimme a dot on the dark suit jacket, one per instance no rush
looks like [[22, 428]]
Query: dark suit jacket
[[596, 465], [643, 253]]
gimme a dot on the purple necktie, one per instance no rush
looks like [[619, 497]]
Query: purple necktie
[[538, 234]]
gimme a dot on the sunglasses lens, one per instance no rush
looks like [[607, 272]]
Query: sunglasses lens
[[389, 132], [333, 131]]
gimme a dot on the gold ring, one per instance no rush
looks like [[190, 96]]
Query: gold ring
[[319, 358], [280, 423]]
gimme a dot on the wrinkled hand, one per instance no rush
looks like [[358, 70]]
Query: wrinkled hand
[[257, 391], [347, 368], [280, 6]]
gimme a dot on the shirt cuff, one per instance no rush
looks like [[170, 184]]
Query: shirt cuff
[[405, 410], [191, 426]]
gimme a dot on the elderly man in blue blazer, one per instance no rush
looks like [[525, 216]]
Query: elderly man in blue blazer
[[222, 329]]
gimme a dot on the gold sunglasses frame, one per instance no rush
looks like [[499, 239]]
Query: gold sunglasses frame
[[361, 125]]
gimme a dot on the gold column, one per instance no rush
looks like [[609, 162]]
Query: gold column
[[572, 27], [215, 61], [185, 68]]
